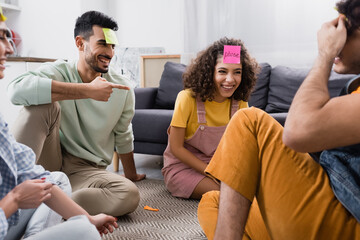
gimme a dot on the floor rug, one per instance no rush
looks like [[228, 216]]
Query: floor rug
[[176, 218]]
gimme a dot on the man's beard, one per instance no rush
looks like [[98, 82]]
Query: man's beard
[[90, 59], [353, 68]]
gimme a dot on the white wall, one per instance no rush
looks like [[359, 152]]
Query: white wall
[[155, 23], [46, 26], [274, 31], [290, 33]]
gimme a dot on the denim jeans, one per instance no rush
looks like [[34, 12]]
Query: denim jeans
[[77, 227], [343, 168], [44, 217]]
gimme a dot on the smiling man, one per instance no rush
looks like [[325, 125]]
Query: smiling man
[[76, 113], [266, 169]]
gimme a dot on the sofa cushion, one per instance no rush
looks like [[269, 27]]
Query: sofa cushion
[[285, 81], [338, 82], [145, 97], [280, 117], [150, 125], [259, 96], [170, 85]]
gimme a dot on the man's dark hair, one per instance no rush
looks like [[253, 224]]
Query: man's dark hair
[[351, 9], [85, 22]]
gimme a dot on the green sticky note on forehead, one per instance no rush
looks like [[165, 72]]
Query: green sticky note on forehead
[[2, 16], [110, 36]]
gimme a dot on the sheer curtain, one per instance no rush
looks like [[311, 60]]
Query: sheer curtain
[[275, 31]]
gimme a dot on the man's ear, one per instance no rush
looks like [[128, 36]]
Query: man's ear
[[79, 41]]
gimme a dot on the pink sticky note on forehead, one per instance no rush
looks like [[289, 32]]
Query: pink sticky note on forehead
[[231, 54]]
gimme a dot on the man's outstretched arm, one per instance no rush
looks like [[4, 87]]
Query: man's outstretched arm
[[99, 89], [47, 85]]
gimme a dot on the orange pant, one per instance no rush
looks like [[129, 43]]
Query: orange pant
[[293, 193], [207, 214]]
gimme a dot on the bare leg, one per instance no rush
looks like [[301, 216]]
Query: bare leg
[[208, 214], [205, 185], [233, 212]]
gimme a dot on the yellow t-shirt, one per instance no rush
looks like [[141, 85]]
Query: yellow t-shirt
[[185, 113]]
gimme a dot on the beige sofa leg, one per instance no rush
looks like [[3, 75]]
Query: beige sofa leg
[[115, 161]]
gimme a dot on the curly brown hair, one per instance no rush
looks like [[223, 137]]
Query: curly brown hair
[[351, 9], [199, 75]]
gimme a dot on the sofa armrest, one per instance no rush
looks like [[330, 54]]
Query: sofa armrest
[[145, 97]]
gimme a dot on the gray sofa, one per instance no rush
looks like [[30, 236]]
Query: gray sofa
[[274, 91]]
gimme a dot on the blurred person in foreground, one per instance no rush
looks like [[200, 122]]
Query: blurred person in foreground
[[266, 169]]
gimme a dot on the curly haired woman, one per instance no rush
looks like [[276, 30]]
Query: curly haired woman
[[214, 91]]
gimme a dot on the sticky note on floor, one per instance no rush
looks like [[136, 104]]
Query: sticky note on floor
[[110, 36], [231, 54], [150, 208]]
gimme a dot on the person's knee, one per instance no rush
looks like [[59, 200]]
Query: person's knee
[[52, 107], [208, 206], [44, 114], [253, 118], [209, 200], [55, 106], [208, 212], [132, 198], [55, 109], [126, 200], [251, 113]]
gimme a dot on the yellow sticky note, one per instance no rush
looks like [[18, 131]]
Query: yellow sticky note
[[2, 17], [110, 36]]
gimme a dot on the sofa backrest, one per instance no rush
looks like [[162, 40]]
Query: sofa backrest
[[259, 96], [171, 84], [282, 84], [274, 89]]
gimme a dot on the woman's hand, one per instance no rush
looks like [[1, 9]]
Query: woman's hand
[[104, 223], [31, 193]]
